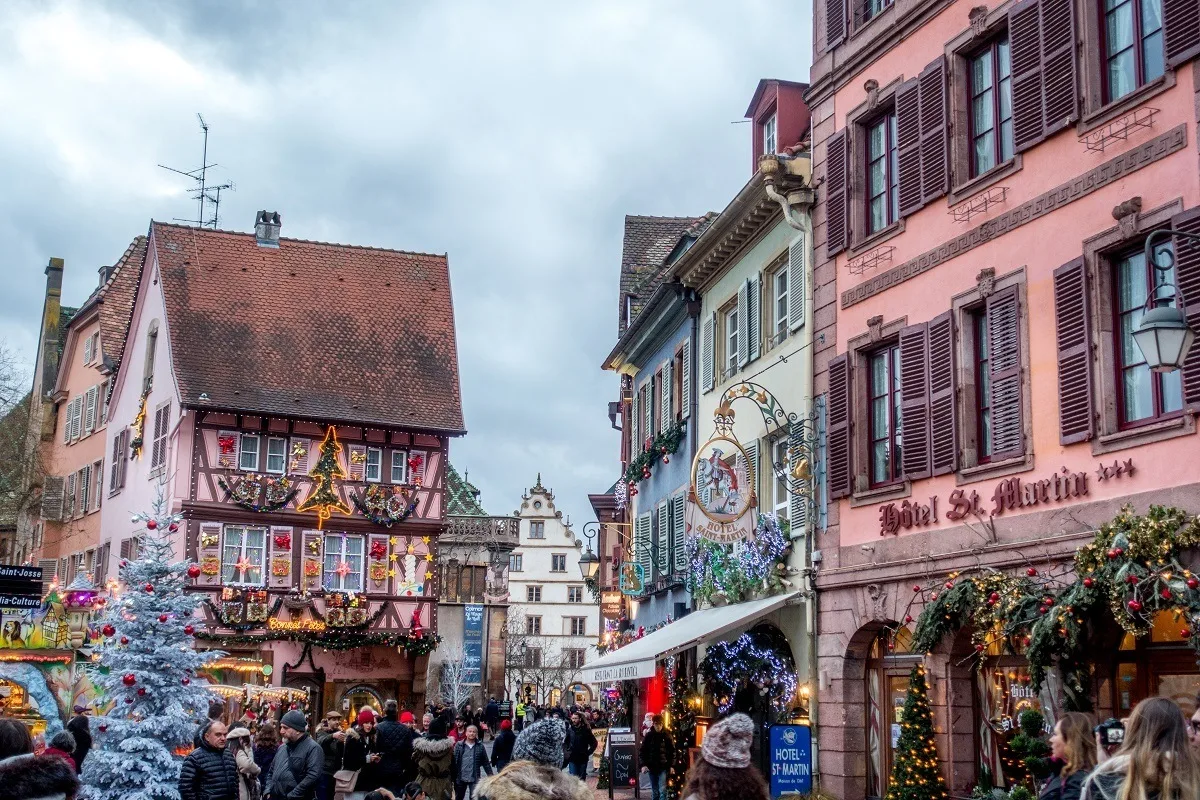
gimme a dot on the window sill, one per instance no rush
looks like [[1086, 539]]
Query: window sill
[[994, 469], [1107, 113], [985, 181], [881, 494], [877, 238], [1182, 425]]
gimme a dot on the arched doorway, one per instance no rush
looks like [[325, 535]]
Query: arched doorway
[[358, 697], [890, 662]]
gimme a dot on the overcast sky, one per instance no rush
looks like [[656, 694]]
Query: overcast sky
[[512, 136]]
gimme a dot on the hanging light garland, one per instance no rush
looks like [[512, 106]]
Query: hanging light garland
[[748, 662]]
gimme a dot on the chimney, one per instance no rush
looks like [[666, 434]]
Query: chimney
[[50, 338], [105, 274], [266, 228]]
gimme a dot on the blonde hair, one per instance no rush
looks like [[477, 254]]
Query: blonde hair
[[1159, 755], [1076, 732]]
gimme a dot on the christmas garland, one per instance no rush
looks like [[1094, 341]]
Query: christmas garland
[[251, 624], [1130, 571], [717, 571], [336, 639], [750, 661], [260, 493], [661, 446], [384, 505]]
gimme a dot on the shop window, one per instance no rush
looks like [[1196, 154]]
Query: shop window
[[1132, 33], [889, 665], [883, 174], [1143, 396], [991, 119], [343, 563], [1161, 664], [884, 417], [243, 556]]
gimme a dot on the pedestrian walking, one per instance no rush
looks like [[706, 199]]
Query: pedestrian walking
[[519, 713], [470, 758], [298, 763], [240, 745], [266, 744], [657, 754], [502, 748], [80, 728], [209, 772], [491, 717], [332, 739], [434, 753], [536, 772], [395, 742], [723, 769], [583, 743]]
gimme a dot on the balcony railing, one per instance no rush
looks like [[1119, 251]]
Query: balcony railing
[[493, 533]]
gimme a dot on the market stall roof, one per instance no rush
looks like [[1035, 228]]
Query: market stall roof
[[636, 659]]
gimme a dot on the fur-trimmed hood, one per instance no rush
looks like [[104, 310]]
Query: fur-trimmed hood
[[525, 780], [30, 777], [433, 748]]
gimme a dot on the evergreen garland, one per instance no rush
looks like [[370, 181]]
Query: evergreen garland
[[915, 772], [662, 446], [683, 733]]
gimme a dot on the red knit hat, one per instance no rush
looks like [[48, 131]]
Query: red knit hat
[[365, 715], [406, 717], [505, 724]]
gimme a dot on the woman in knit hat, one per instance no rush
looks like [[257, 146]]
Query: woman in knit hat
[[361, 752], [536, 771], [723, 769]]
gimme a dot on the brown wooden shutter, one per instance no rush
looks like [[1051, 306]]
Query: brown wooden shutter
[[840, 466], [1075, 416], [836, 188], [935, 159], [943, 419], [1004, 367], [1025, 40], [908, 145], [1058, 64], [914, 400], [835, 23], [1181, 23], [1187, 278]]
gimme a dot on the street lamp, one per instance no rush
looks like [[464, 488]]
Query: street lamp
[[1163, 335], [589, 565]]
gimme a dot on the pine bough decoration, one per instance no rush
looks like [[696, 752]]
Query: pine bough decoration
[[147, 671], [915, 772]]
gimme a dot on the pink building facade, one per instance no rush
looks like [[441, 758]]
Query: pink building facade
[[988, 177]]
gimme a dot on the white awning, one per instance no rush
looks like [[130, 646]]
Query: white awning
[[636, 659]]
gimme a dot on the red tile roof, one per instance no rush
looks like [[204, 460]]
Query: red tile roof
[[116, 299], [309, 329]]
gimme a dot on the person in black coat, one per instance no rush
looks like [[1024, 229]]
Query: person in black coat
[[503, 746], [362, 752], [394, 741], [209, 772], [81, 730], [491, 717], [582, 744], [657, 755]]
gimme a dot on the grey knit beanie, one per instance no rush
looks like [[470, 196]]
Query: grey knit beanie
[[294, 720], [542, 743], [727, 744]]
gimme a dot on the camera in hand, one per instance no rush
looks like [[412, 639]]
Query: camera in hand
[[1111, 731]]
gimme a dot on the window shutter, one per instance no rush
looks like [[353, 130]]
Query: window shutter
[[840, 470], [914, 400], [162, 420], [85, 489], [635, 410], [797, 502], [751, 449], [49, 572], [685, 381], [648, 408], [298, 465], [102, 559], [1025, 40], [679, 532], [1181, 21], [1075, 417], [1187, 278], [212, 533], [87, 350], [64, 415], [754, 317], [836, 188], [69, 496], [796, 281], [642, 551], [664, 407], [743, 318], [231, 459], [417, 475], [77, 418], [662, 553], [1004, 367], [1058, 64], [126, 549], [835, 23], [358, 462], [707, 346], [935, 166], [943, 421], [52, 498], [908, 146], [89, 410], [124, 457]]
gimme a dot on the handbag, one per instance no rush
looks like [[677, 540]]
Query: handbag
[[344, 779]]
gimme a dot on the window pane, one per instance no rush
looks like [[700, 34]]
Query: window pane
[[1172, 391], [879, 379], [1131, 282], [876, 141], [878, 213], [877, 175], [1002, 57], [981, 73], [1121, 77], [985, 430], [982, 113], [1006, 139], [1006, 99], [879, 418], [879, 462], [1119, 28], [1139, 395], [1130, 353], [1153, 62], [985, 148], [1151, 16]]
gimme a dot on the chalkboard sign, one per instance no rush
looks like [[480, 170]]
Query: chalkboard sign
[[622, 746], [506, 709], [20, 587]]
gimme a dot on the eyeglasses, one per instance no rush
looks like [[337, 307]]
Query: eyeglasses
[[1194, 726]]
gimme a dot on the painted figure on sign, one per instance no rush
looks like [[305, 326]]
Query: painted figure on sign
[[718, 483]]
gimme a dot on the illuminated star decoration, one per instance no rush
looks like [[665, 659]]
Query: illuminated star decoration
[[412, 548], [429, 556], [425, 539], [428, 575]]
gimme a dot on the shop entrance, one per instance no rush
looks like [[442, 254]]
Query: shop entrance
[[1158, 665], [889, 666], [359, 697]]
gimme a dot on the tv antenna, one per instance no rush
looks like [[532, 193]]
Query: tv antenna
[[204, 194]]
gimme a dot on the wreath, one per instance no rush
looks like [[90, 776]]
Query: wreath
[[754, 661], [261, 493], [384, 505]]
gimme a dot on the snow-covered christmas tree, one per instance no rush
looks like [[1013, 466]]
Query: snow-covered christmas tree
[[147, 670]]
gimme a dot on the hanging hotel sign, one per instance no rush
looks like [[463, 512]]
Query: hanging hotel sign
[[722, 493], [633, 578]]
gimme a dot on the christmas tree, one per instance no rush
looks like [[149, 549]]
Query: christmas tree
[[683, 734], [324, 498], [915, 773], [147, 671]]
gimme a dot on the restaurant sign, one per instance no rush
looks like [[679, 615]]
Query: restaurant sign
[[722, 496]]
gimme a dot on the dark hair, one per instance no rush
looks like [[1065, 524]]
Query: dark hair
[[375, 795], [63, 740], [707, 782], [657, 718], [15, 738], [267, 736], [412, 790]]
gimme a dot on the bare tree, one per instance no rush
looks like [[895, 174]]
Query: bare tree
[[20, 475], [537, 661], [452, 674]]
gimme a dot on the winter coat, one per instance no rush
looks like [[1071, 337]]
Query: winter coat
[[80, 728], [248, 785], [479, 759], [491, 714], [583, 744], [208, 773], [31, 777], [525, 780], [395, 743], [434, 757], [264, 757], [296, 770], [658, 751], [502, 749], [331, 749], [359, 745], [54, 751], [1068, 788], [1106, 781]]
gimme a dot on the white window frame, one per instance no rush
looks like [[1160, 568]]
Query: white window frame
[[537, 529], [516, 562], [97, 484], [533, 621], [770, 132], [533, 594], [244, 451], [779, 455], [733, 356], [282, 455], [574, 594], [576, 626], [781, 303], [333, 547], [243, 551], [399, 462], [555, 558], [375, 453]]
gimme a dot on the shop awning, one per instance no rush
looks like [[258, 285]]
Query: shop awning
[[636, 659]]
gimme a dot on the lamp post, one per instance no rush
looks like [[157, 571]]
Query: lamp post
[[1163, 335], [589, 563]]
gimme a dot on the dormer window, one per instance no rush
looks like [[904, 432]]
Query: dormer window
[[769, 137]]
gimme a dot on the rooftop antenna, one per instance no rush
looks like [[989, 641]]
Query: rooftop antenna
[[203, 194]]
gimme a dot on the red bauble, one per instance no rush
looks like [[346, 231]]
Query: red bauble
[[1119, 551], [108, 630], [907, 619], [124, 563], [1026, 641], [978, 648], [172, 527], [149, 587], [916, 588], [128, 700], [129, 679], [124, 640], [185, 681], [1134, 605], [1192, 583], [151, 524], [633, 492], [1165, 594], [193, 571], [949, 585], [162, 618], [933, 596], [1031, 571], [141, 691], [103, 728], [1044, 609], [1112, 553], [993, 598], [189, 629], [1088, 582], [666, 460]]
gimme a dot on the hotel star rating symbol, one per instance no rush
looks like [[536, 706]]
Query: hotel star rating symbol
[[1117, 470]]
